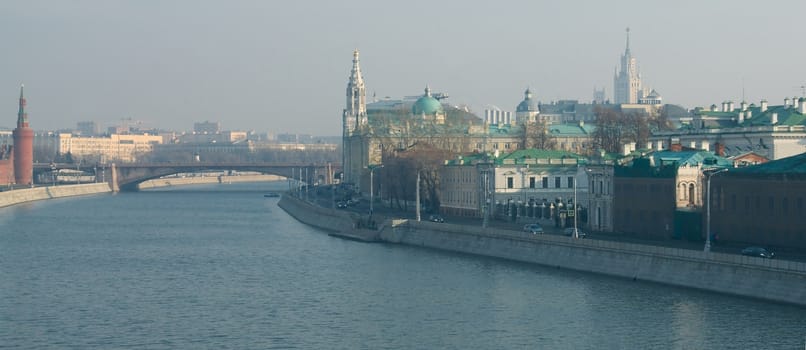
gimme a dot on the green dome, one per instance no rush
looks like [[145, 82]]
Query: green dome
[[427, 105]]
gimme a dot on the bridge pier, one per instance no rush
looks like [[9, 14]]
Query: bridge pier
[[113, 178]]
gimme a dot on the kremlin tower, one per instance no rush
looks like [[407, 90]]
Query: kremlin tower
[[23, 146]]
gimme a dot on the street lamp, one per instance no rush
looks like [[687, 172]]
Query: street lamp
[[576, 233], [707, 248], [372, 186], [53, 172]]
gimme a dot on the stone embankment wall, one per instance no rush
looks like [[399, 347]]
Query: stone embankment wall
[[8, 198], [195, 180], [776, 280], [314, 215]]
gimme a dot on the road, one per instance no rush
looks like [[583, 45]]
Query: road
[[382, 210]]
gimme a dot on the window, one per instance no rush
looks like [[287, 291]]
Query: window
[[545, 182], [570, 182], [510, 182], [557, 182], [531, 182]]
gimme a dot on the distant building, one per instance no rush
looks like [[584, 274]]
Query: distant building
[[627, 81], [207, 127], [113, 148], [773, 132], [88, 128]]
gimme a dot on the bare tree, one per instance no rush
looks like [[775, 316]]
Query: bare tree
[[537, 135]]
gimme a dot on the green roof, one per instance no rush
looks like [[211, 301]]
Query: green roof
[[790, 165]]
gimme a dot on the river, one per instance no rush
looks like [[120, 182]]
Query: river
[[222, 267]]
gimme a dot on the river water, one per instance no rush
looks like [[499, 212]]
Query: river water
[[222, 267]]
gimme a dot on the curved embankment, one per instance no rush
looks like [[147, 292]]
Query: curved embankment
[[8, 198], [775, 280], [195, 180]]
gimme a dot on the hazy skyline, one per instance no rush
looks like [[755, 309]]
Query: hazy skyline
[[283, 66]]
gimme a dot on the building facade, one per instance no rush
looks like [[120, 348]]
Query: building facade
[[524, 185], [660, 195], [762, 204], [114, 148]]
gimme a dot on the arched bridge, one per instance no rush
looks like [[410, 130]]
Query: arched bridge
[[127, 176]]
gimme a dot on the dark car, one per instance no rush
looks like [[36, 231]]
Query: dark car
[[758, 252], [570, 232], [436, 218], [533, 228]]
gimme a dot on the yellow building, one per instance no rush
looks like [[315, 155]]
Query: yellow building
[[114, 148]]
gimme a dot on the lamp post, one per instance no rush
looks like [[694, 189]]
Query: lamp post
[[372, 186], [576, 234], [707, 248], [53, 172], [417, 196]]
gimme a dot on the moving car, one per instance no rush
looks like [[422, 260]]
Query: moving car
[[570, 232], [436, 218], [758, 252], [533, 228]]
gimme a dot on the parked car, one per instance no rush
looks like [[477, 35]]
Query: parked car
[[758, 252], [436, 218], [533, 228], [570, 232]]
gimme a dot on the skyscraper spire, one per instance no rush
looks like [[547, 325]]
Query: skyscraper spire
[[627, 51], [22, 117]]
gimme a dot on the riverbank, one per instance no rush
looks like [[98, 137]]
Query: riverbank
[[768, 279], [198, 180], [14, 197]]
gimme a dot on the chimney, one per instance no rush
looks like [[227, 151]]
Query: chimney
[[713, 108], [730, 106], [774, 119], [741, 117], [724, 106], [649, 145], [786, 102], [659, 145], [625, 149], [705, 146], [744, 106], [795, 103], [749, 115], [675, 147], [763, 106], [802, 108], [692, 144], [720, 149]]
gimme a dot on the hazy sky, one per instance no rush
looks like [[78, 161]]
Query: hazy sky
[[282, 66]]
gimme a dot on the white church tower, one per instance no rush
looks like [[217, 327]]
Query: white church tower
[[355, 111], [354, 121], [627, 82]]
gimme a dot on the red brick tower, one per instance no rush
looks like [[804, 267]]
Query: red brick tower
[[23, 146]]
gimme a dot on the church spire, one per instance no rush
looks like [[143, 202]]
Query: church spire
[[355, 111], [355, 75], [22, 116]]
